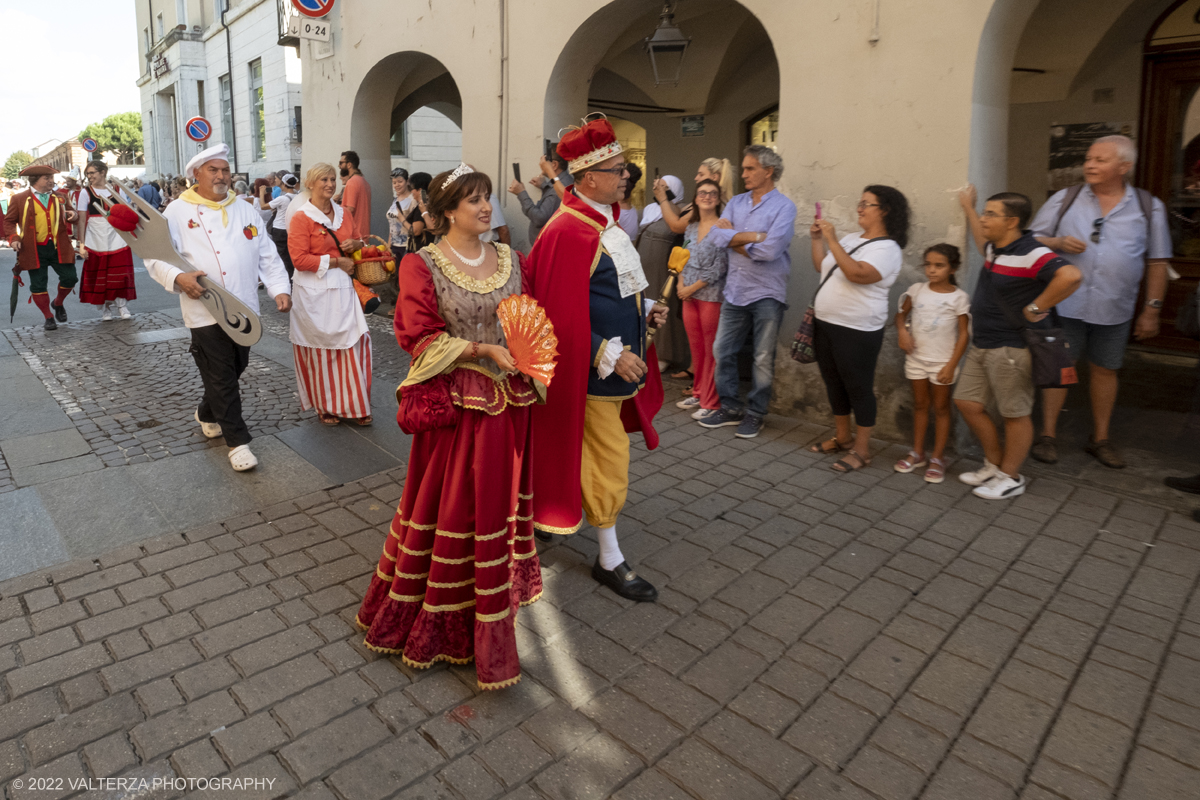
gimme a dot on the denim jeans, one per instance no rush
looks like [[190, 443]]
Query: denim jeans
[[763, 317]]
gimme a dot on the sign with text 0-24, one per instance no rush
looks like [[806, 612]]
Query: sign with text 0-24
[[313, 8], [304, 28], [691, 126]]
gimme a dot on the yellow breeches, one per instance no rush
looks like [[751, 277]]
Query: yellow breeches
[[605, 462]]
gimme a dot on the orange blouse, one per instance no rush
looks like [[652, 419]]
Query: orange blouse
[[308, 241]]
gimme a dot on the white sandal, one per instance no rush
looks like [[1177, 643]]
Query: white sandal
[[241, 458], [211, 430]]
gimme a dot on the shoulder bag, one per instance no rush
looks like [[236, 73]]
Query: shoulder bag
[[803, 349], [1049, 350]]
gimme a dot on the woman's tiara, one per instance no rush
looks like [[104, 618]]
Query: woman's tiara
[[459, 171]]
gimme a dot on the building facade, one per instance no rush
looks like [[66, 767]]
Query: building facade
[[218, 59], [923, 95]]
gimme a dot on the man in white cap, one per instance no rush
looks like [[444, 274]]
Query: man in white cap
[[226, 241]]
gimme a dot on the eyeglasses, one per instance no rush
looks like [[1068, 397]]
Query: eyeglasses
[[1096, 226], [864, 206], [621, 170], [994, 215], [712, 195]]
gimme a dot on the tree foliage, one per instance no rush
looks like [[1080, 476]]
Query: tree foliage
[[121, 133], [15, 163]]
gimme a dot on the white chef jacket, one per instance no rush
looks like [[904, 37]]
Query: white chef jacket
[[235, 256], [326, 312]]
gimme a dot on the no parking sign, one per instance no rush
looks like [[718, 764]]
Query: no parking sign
[[198, 129], [313, 8], [90, 144]]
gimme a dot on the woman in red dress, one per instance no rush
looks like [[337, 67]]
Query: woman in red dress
[[460, 558], [108, 268]]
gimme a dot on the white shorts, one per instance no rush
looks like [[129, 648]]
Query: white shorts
[[916, 370]]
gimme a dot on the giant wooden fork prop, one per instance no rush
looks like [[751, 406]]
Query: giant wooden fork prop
[[151, 239]]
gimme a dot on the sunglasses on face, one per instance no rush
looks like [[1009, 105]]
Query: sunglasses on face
[[615, 170]]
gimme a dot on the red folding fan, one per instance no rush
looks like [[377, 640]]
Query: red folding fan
[[530, 335]]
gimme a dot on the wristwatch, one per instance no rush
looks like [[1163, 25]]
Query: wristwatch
[[1033, 309], [1155, 303]]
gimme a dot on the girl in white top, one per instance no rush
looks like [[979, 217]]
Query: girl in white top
[[933, 329], [279, 224]]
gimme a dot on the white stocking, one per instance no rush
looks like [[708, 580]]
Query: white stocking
[[610, 551]]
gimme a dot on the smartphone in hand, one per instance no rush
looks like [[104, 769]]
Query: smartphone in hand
[[818, 209], [516, 172]]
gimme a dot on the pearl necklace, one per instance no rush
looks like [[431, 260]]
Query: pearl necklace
[[470, 262]]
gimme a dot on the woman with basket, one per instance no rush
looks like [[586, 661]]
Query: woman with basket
[[328, 329], [460, 559]]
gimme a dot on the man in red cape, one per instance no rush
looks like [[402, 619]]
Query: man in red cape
[[586, 273]]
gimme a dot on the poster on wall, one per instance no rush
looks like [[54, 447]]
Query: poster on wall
[[1068, 150]]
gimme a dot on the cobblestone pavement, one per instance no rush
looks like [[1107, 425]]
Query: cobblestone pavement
[[130, 386], [817, 637]]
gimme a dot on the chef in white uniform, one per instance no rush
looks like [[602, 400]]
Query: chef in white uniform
[[227, 241]]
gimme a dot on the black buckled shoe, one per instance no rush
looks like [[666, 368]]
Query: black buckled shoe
[[50, 324], [625, 582], [60, 312], [543, 536]]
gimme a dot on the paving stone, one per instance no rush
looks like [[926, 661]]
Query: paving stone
[[1153, 775], [380, 772], [28, 712], [180, 726], [53, 780], [275, 649], [268, 687], [756, 751], [158, 696], [591, 771], [823, 784], [57, 668], [1088, 743], [513, 757], [109, 755], [48, 644], [316, 706], [710, 776], [148, 666], [82, 691], [884, 774], [198, 760], [224, 638], [121, 619], [333, 744], [249, 739], [831, 731], [956, 780]]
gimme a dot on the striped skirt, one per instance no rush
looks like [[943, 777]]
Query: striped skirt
[[335, 382]]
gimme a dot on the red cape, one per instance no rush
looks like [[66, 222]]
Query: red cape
[[558, 273]]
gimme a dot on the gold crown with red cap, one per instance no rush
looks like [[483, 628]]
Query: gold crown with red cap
[[587, 146]]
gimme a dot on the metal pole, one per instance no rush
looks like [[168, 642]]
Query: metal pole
[[229, 66]]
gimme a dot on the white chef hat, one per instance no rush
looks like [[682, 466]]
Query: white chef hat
[[220, 151]]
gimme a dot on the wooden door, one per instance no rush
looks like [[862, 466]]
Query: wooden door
[[1170, 169]]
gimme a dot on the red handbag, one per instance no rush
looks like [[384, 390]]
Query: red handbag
[[427, 406]]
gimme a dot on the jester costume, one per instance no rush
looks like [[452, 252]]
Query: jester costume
[[39, 222]]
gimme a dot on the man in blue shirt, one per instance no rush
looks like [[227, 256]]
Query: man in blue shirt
[[147, 192], [757, 227], [1102, 228]]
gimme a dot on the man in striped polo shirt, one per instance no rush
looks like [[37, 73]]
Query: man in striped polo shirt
[[1023, 274]]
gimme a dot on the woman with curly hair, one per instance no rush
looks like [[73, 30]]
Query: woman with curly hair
[[851, 311], [460, 558]]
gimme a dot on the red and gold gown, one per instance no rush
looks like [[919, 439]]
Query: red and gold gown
[[460, 558]]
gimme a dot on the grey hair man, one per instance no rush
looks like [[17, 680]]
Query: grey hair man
[[757, 227], [1119, 238]]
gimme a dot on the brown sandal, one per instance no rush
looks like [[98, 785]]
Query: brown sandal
[[845, 465], [364, 421], [829, 446], [328, 419]]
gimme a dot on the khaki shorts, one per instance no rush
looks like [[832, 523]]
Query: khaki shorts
[[1003, 374]]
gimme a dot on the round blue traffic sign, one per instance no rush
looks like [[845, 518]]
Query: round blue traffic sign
[[313, 8], [198, 129], [90, 144]]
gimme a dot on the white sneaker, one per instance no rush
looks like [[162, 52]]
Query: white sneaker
[[107, 313], [241, 458], [1001, 487], [211, 430], [980, 476], [124, 312], [688, 402], [703, 412]]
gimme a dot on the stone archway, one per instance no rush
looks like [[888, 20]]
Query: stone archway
[[397, 86], [730, 73]]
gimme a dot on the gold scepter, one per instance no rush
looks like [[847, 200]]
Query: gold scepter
[[675, 264]]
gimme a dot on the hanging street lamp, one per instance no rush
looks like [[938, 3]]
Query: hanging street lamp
[[666, 48]]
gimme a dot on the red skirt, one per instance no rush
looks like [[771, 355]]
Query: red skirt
[[335, 382], [107, 276], [460, 558]]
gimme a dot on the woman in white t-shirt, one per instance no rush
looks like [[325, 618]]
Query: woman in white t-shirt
[[851, 310], [279, 207], [938, 313]]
